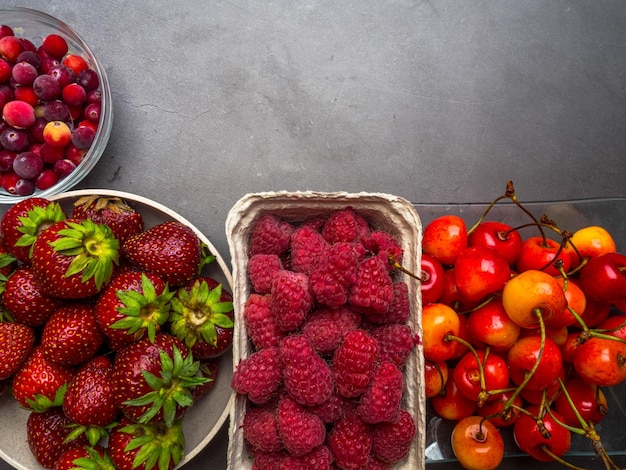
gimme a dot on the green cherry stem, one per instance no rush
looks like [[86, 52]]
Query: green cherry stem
[[558, 459]]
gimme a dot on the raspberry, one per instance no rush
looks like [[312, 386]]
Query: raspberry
[[345, 226], [326, 327], [260, 322], [381, 401], [372, 292], [350, 441], [261, 269], [399, 307], [291, 299], [307, 377], [332, 277], [354, 363], [259, 375], [261, 431], [333, 409], [300, 430], [374, 463], [319, 458], [308, 247], [395, 342], [392, 441], [270, 236], [268, 460], [386, 247], [316, 223]]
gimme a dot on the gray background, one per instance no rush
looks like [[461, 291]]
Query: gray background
[[435, 101]]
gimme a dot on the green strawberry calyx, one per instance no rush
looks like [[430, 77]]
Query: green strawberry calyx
[[178, 376], [158, 444], [36, 220], [94, 248], [196, 313], [94, 434], [143, 311], [40, 403], [94, 461]]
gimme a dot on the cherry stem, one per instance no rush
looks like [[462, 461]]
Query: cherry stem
[[558, 459], [481, 371], [399, 267]]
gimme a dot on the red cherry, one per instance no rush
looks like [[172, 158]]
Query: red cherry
[[444, 238], [432, 275], [452, 404], [467, 375], [601, 361], [525, 353], [530, 439], [539, 254], [435, 377], [588, 399], [614, 325], [477, 444], [499, 237], [603, 278], [489, 325], [494, 410], [480, 272]]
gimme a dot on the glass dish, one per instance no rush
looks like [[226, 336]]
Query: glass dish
[[35, 25], [208, 414], [571, 215]]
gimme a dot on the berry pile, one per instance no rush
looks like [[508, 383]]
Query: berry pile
[[327, 318], [50, 100], [109, 331]]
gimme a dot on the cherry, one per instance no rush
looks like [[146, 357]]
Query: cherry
[[439, 321], [489, 325], [452, 404], [541, 437], [498, 236], [588, 399], [435, 377], [541, 253], [479, 272], [535, 362], [432, 276], [603, 278], [477, 444], [444, 238], [589, 242], [601, 361], [499, 411], [614, 325], [477, 373]]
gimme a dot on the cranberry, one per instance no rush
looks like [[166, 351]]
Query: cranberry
[[16, 140], [46, 87], [27, 165], [88, 79], [24, 187], [54, 45], [63, 168]]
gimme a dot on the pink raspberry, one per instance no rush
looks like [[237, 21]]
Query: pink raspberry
[[326, 327], [291, 299], [345, 226], [381, 401], [395, 342], [372, 292], [392, 441], [259, 375], [270, 236], [354, 363], [319, 458], [260, 430], [260, 323], [261, 270], [300, 430], [308, 247], [399, 307], [350, 441], [306, 376], [386, 247], [333, 276], [333, 409]]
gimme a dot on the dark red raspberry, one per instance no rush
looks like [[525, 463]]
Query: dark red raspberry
[[260, 322], [306, 376], [270, 236], [319, 458], [291, 299], [261, 270], [260, 430], [354, 363], [399, 307], [300, 430], [333, 409], [308, 247], [381, 400], [259, 375], [392, 441], [386, 247], [350, 441], [332, 278], [345, 226], [372, 292], [395, 342], [326, 327], [268, 460]]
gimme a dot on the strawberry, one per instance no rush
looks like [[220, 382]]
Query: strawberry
[[16, 343], [202, 317], [88, 401], [300, 430], [39, 383], [22, 223], [46, 435], [84, 458], [7, 265], [171, 250], [74, 259], [25, 300], [392, 441], [153, 380], [134, 305], [72, 335], [259, 375], [209, 369], [123, 220], [134, 446]]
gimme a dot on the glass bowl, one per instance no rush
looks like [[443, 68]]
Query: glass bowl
[[208, 414], [570, 215], [35, 25]]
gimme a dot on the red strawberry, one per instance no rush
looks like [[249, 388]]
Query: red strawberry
[[308, 247], [291, 299], [25, 300], [345, 226], [134, 446], [372, 292], [381, 401], [300, 430], [260, 323], [88, 400], [170, 249], [134, 305], [326, 327], [87, 458], [46, 433], [74, 259], [392, 441], [22, 223], [350, 441], [202, 317], [261, 270], [260, 430], [122, 219], [270, 236], [354, 363], [72, 335], [8, 263], [16, 344], [259, 375], [307, 377], [209, 368], [39, 383], [153, 380]]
